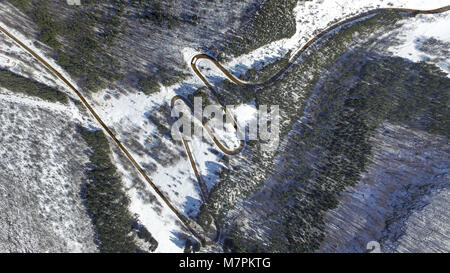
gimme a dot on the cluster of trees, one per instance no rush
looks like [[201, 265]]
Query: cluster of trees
[[82, 40], [154, 11], [80, 50], [149, 85], [269, 69], [332, 148], [106, 202], [169, 76], [269, 21], [191, 246], [143, 234], [17, 83], [165, 76], [48, 28], [23, 5], [88, 57], [299, 82], [156, 14]]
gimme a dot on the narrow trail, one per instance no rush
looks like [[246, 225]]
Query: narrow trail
[[197, 232]]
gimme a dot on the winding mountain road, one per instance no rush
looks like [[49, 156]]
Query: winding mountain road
[[272, 79], [185, 221], [196, 232]]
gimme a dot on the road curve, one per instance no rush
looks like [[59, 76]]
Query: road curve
[[269, 81], [222, 147], [195, 233], [299, 51]]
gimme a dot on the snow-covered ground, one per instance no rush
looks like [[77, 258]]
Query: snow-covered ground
[[126, 113], [41, 175], [400, 201], [313, 16], [39, 72], [425, 38], [163, 223]]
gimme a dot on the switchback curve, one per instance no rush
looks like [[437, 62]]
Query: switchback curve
[[271, 79], [236, 80]]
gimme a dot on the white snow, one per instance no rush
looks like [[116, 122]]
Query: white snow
[[315, 15], [177, 181], [29, 44], [42, 176], [128, 110], [419, 29]]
